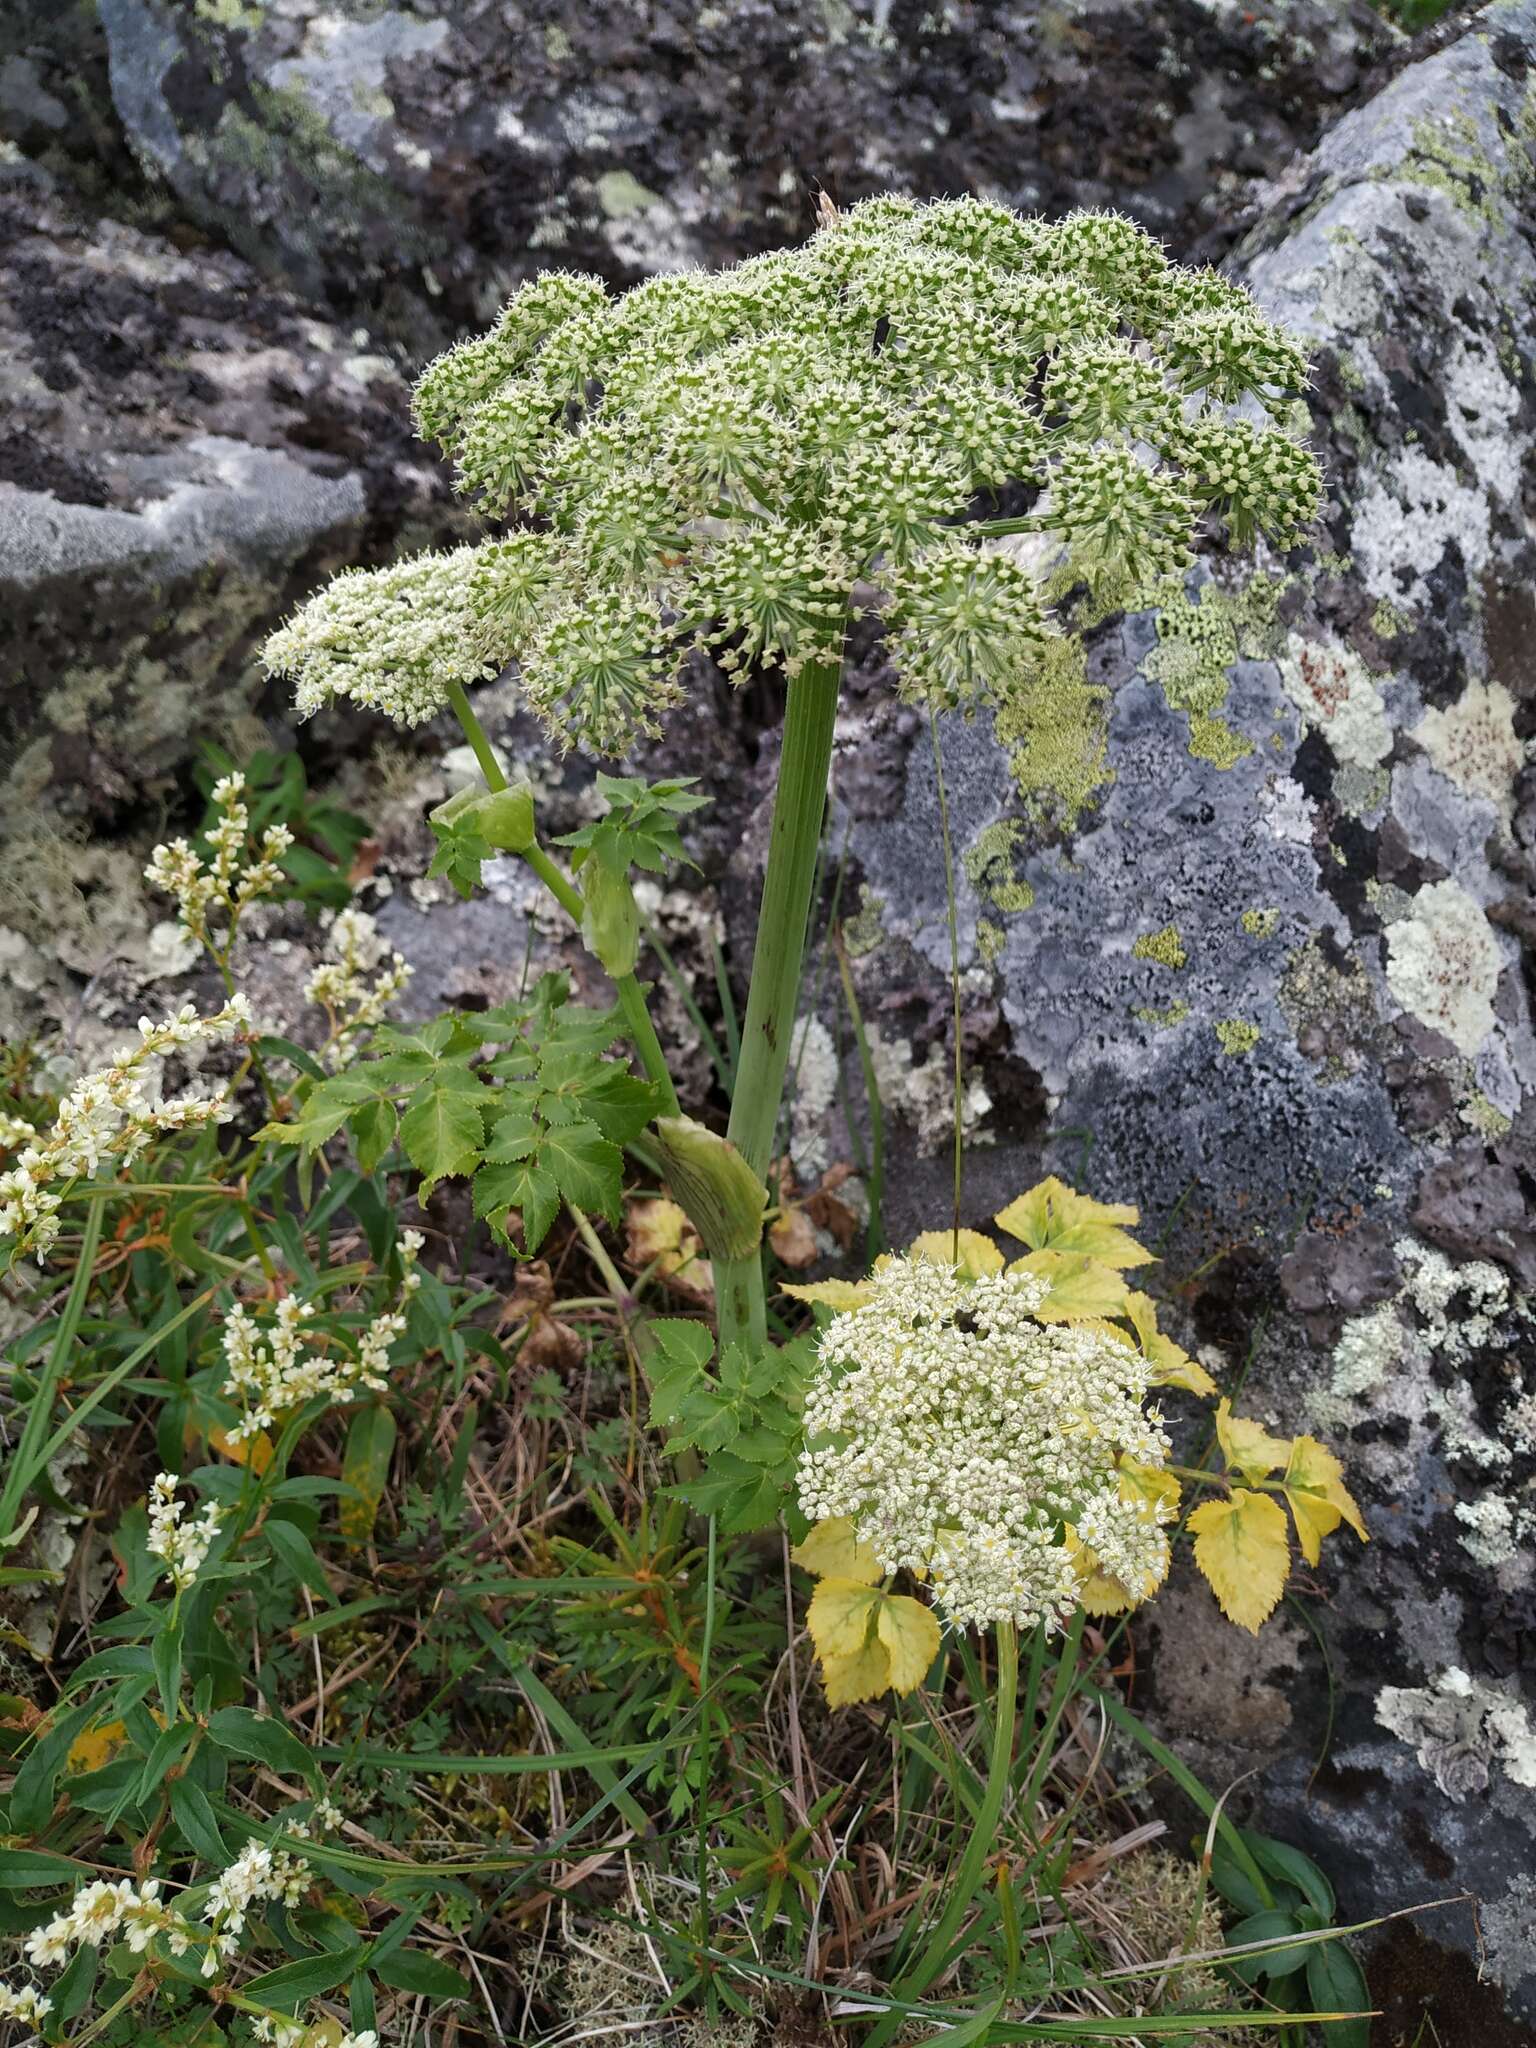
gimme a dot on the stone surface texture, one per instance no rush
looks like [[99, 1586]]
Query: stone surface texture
[[420, 158], [1246, 919]]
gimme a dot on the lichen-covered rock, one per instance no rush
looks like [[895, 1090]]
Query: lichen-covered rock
[[182, 451], [413, 155], [1246, 937]]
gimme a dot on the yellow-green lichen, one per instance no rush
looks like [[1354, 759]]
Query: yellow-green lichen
[[1237, 1037], [1164, 946], [620, 193], [1260, 924], [1196, 646], [1057, 736], [863, 932], [1448, 156], [989, 939], [1164, 1020], [1478, 1112], [1387, 622], [989, 865]]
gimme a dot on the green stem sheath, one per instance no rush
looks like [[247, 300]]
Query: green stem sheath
[[637, 1018], [793, 845]]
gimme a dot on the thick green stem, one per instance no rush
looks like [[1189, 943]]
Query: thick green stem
[[980, 1844], [637, 1017], [793, 844]]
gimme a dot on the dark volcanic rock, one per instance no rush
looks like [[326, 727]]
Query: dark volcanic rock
[[182, 451], [417, 159]]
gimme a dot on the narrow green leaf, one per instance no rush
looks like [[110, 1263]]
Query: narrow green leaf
[[365, 1471], [239, 1732]]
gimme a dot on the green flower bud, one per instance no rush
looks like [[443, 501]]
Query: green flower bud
[[723, 1197]]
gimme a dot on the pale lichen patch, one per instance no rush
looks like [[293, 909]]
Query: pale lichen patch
[[1443, 965], [1474, 743], [1333, 690]]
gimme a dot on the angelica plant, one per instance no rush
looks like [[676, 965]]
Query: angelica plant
[[737, 464]]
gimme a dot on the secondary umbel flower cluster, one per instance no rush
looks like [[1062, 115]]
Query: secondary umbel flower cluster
[[235, 873], [109, 1115], [972, 1443], [271, 1370], [181, 1546], [729, 460]]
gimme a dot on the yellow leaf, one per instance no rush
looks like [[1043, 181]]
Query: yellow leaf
[[1171, 1365], [1082, 1289], [838, 1294], [1055, 1217], [660, 1236], [869, 1641], [841, 1617], [255, 1451], [910, 1633], [832, 1551], [1248, 1448], [977, 1254], [1148, 1482], [1242, 1546], [862, 1675], [94, 1747], [1314, 1485]]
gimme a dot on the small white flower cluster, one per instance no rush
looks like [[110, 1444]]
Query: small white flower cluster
[[269, 1371], [357, 982], [25, 2003], [181, 1546], [234, 874], [100, 1911], [15, 1131], [284, 2033], [108, 1907], [968, 1441], [727, 460], [108, 1115]]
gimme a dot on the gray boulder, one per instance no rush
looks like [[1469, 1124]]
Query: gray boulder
[[417, 159], [183, 451]]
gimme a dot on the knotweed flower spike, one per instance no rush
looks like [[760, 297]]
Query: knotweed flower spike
[[181, 1546], [730, 461], [271, 1370], [1003, 1458], [110, 1116], [236, 872]]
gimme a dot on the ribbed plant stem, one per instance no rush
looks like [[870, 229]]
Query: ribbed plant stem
[[777, 957], [980, 1844], [637, 1017]]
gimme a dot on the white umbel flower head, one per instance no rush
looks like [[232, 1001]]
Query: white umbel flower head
[[391, 640], [970, 1442]]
